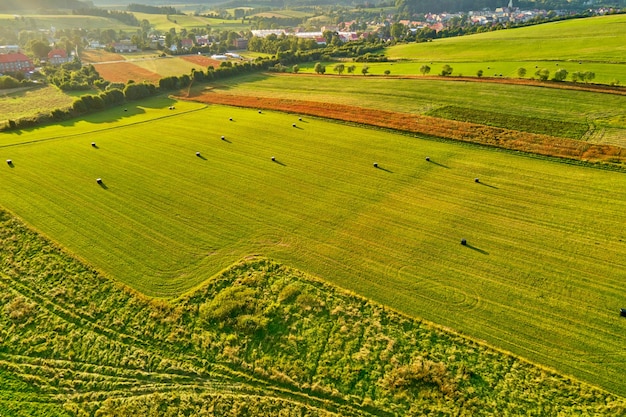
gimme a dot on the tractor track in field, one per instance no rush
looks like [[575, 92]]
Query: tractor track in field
[[532, 143]]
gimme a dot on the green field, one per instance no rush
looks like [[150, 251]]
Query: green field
[[594, 44], [33, 22], [597, 39], [258, 339], [31, 101], [590, 116], [542, 274], [187, 21]]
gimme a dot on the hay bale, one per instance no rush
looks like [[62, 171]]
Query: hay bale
[[476, 179], [427, 159], [463, 242], [294, 125], [299, 119], [197, 153], [375, 164], [260, 112], [223, 137], [93, 144], [622, 312], [231, 119], [273, 159], [9, 162], [99, 180]]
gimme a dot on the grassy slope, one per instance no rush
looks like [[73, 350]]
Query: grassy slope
[[29, 102], [541, 276], [531, 109], [161, 22], [257, 339], [600, 39], [31, 22]]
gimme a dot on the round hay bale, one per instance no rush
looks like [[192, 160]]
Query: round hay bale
[[223, 137], [299, 119], [476, 179], [375, 164], [93, 144], [125, 109], [10, 162], [427, 159], [197, 153], [260, 111], [273, 158], [231, 119], [99, 180], [463, 242], [294, 125]]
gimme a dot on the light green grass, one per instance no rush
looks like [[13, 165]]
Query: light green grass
[[32, 101], [34, 22], [542, 275], [598, 39], [162, 23], [169, 66]]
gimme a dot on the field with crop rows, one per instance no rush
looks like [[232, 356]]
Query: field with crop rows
[[596, 117], [541, 274]]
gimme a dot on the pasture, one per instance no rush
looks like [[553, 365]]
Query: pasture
[[44, 21], [591, 116], [541, 276], [188, 21], [27, 102], [597, 39]]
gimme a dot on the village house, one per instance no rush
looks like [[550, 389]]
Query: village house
[[15, 62], [58, 57], [124, 46]]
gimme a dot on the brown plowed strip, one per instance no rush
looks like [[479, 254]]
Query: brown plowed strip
[[121, 72], [432, 126], [201, 60]]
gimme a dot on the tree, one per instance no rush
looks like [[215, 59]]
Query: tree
[[521, 72], [446, 70], [397, 31], [295, 69], [543, 74], [365, 70], [319, 68], [479, 73], [351, 69], [387, 72], [589, 76], [425, 69], [339, 68], [38, 48], [560, 74], [577, 76]]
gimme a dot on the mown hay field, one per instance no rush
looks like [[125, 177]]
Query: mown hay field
[[542, 274]]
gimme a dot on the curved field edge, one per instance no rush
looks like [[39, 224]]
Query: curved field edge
[[539, 144], [259, 337]]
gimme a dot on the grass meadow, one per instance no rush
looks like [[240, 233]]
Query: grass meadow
[[584, 115], [44, 21], [189, 21], [597, 39], [27, 102], [541, 275]]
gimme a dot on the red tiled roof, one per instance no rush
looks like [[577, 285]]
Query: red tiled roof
[[18, 57], [57, 52]]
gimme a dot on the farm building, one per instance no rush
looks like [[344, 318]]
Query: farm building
[[124, 46], [58, 57], [15, 62]]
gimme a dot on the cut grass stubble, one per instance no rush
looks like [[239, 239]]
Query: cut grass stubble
[[541, 274]]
